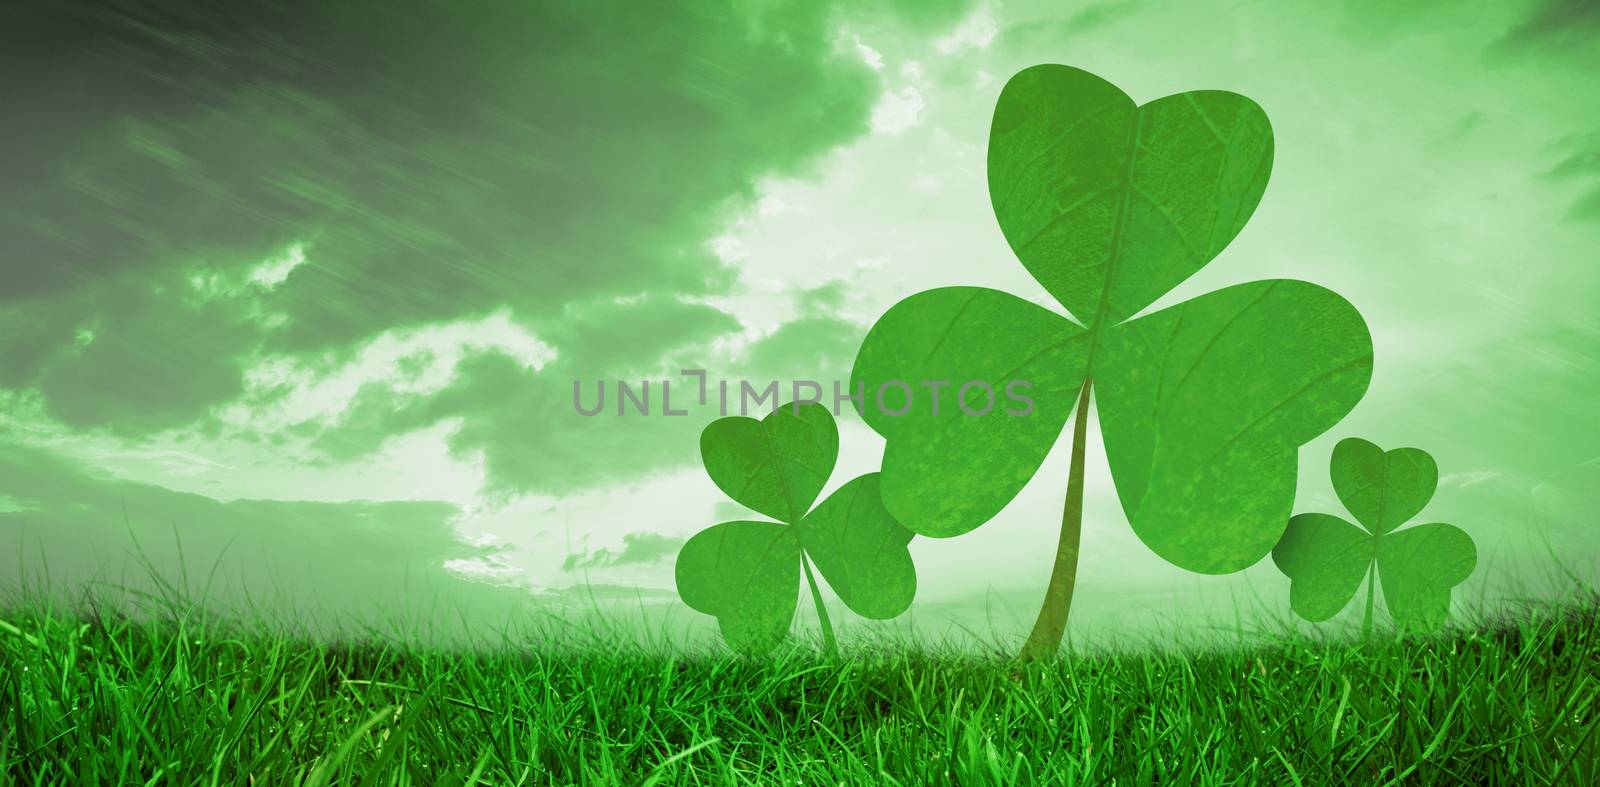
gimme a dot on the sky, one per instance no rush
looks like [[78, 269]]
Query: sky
[[293, 300]]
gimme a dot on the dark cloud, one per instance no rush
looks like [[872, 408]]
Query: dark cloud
[[810, 348], [337, 563], [926, 15], [637, 549], [1092, 17], [632, 334], [1587, 207], [449, 154], [1566, 31], [823, 299], [532, 438], [1379, 22], [1562, 26], [562, 162], [1581, 163], [1463, 127], [148, 358]]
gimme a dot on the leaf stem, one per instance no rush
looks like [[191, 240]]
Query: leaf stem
[[828, 640], [1051, 625], [1372, 575]]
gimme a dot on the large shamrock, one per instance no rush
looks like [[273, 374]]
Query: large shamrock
[[1325, 557], [1202, 405], [747, 573]]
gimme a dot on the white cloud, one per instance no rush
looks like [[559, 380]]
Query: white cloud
[[1470, 478], [419, 361], [870, 56], [977, 31], [772, 204], [897, 110], [275, 271], [210, 285], [495, 568], [730, 249]]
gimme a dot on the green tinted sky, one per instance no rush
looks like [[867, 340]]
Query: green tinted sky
[[351, 262]]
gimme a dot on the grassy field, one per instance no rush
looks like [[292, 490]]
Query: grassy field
[[93, 699]]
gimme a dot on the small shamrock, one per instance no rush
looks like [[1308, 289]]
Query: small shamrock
[[747, 573], [1325, 556]]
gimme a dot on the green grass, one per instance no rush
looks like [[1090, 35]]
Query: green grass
[[100, 699]]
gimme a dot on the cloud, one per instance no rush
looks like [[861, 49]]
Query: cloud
[[1581, 163], [819, 344], [824, 299], [729, 511], [415, 362], [1554, 26], [872, 57], [213, 192], [330, 564], [974, 32], [811, 348], [128, 353], [1470, 478], [1090, 18], [897, 111], [637, 549], [521, 420], [1538, 386]]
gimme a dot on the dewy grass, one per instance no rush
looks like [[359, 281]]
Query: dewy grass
[[99, 698]]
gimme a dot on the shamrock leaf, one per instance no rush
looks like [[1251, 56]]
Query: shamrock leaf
[[1383, 489], [1418, 567], [746, 573], [1203, 405], [776, 465], [946, 472], [861, 550], [1325, 557]]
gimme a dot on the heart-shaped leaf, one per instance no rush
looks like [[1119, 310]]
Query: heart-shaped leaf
[[1203, 408], [945, 470], [861, 550], [1418, 567], [1383, 489], [1324, 558], [777, 465], [747, 575], [1109, 205]]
